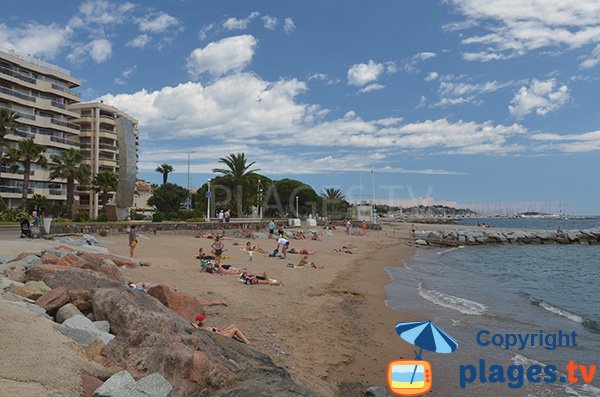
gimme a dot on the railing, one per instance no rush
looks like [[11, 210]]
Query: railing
[[64, 89], [26, 115], [58, 105], [107, 130], [85, 145], [57, 192], [108, 146], [14, 189], [12, 92], [17, 75], [19, 171], [63, 140], [64, 124], [24, 134]]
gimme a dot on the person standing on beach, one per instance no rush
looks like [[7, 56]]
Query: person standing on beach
[[271, 228], [221, 216], [280, 232], [363, 228], [227, 216], [218, 248], [132, 240]]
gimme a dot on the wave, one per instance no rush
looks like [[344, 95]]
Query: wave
[[450, 249], [462, 305], [591, 325]]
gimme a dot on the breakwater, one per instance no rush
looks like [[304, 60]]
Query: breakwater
[[453, 238]]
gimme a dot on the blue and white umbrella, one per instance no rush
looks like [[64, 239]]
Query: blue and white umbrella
[[426, 335]]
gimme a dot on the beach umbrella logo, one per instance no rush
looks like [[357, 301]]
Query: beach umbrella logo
[[413, 377]]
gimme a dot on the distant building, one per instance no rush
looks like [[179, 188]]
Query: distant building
[[143, 192], [361, 212], [100, 146], [42, 95]]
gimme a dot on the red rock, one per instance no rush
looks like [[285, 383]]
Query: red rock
[[71, 260], [23, 255], [182, 303], [50, 259], [89, 384], [54, 299], [81, 299], [99, 258]]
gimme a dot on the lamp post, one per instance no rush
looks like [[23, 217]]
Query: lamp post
[[297, 215], [260, 209], [208, 194]]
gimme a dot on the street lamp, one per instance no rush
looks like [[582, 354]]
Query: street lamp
[[208, 194], [297, 216], [260, 209]]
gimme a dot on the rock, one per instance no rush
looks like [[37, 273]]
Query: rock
[[4, 259], [66, 312], [9, 296], [50, 259], [27, 258], [89, 384], [184, 304], [81, 299], [103, 326], [6, 282], [54, 299], [118, 381], [83, 331], [119, 261], [90, 240], [32, 307], [376, 391], [152, 385], [31, 289], [94, 349], [90, 316], [421, 242]]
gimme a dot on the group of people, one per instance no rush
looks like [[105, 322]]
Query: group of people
[[224, 216]]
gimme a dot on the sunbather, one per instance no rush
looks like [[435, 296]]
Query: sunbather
[[301, 251], [305, 262], [230, 331], [202, 255], [250, 279]]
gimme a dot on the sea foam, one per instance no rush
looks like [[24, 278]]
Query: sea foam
[[462, 305]]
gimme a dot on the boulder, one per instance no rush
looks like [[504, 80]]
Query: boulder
[[27, 258], [118, 381], [184, 304], [70, 277], [81, 299], [66, 312], [89, 384], [103, 326], [94, 350], [421, 242], [6, 282], [29, 306], [9, 296], [50, 259], [83, 331], [5, 259], [99, 258], [154, 385], [31, 289], [53, 300], [376, 391]]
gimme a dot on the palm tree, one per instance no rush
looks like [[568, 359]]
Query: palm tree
[[69, 165], [27, 153], [8, 123], [104, 182], [238, 176], [165, 169], [332, 196]]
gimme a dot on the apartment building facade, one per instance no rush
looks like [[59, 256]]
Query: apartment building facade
[[99, 144], [42, 94]]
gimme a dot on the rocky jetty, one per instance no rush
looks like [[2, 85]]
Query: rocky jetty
[[482, 236], [148, 336]]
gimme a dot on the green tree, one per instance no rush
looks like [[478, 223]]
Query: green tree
[[281, 198], [69, 165], [27, 153], [165, 170], [8, 124], [240, 179], [103, 183], [37, 202], [168, 198]]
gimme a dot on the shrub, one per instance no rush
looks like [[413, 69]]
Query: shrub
[[103, 233], [13, 215], [3, 205], [193, 220], [81, 217], [102, 218], [158, 217], [173, 216]]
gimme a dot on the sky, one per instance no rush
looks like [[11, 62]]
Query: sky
[[487, 104]]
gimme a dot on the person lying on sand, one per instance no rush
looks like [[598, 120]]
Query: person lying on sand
[[250, 279], [205, 235], [246, 233], [344, 250], [301, 251], [300, 236], [230, 331]]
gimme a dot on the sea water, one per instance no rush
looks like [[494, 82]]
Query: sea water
[[516, 289]]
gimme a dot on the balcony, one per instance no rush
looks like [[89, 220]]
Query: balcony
[[65, 124], [14, 189], [17, 75], [7, 170], [24, 134], [57, 192], [108, 146], [63, 140], [64, 89], [26, 116], [58, 105], [11, 92], [85, 145]]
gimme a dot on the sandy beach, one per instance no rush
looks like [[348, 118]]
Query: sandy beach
[[328, 327]]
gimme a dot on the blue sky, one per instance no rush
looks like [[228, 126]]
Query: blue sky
[[460, 102]]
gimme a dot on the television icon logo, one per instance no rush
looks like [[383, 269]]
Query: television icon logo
[[409, 377]]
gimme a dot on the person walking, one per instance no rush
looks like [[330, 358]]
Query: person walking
[[227, 216], [221, 216], [271, 228], [132, 240], [363, 229]]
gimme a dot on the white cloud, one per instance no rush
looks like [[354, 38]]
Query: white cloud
[[288, 25], [101, 12], [423, 56], [569, 143], [515, 27], [140, 41], [157, 23], [99, 50], [237, 24], [432, 76], [270, 22], [593, 60], [220, 57], [460, 89], [363, 73], [203, 33], [410, 65], [122, 79], [371, 87], [35, 39], [322, 77], [540, 96]]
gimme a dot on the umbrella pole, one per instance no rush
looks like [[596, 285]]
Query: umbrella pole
[[415, 370]]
